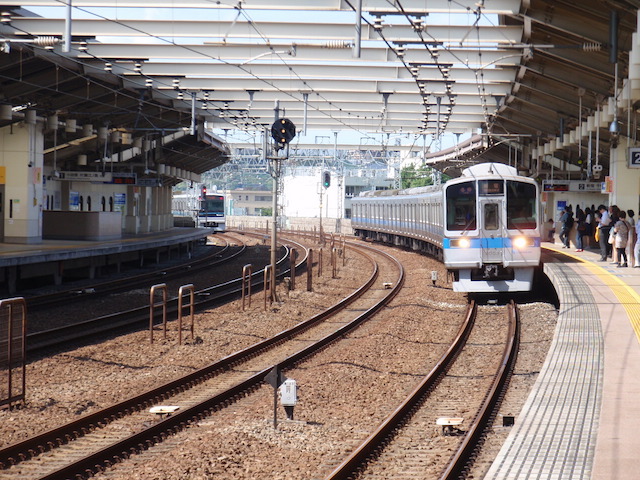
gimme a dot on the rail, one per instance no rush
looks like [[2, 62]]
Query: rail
[[463, 456], [371, 445], [53, 338], [124, 284], [16, 453]]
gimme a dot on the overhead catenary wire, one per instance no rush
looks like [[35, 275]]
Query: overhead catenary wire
[[241, 67], [335, 111]]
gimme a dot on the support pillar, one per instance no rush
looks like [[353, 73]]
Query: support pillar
[[132, 220], [21, 158], [626, 181]]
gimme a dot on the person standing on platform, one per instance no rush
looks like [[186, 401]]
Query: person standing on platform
[[605, 227], [621, 230], [631, 242], [567, 223], [581, 229], [551, 231], [636, 248], [614, 215], [588, 223]]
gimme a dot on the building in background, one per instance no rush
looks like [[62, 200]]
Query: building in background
[[249, 202], [306, 193]]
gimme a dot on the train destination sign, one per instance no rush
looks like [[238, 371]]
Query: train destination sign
[[490, 187]]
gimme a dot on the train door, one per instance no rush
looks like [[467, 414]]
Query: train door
[[492, 229]]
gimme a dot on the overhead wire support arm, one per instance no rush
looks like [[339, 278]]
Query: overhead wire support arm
[[66, 46], [358, 25], [193, 113]]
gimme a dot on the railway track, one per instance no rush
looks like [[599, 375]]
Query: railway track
[[405, 444], [101, 438], [139, 316], [218, 255]]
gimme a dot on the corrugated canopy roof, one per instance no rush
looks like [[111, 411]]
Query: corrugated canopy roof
[[522, 72]]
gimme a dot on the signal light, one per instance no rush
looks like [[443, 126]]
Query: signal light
[[204, 191], [283, 130], [326, 179]]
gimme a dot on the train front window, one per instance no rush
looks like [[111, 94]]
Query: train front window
[[521, 205], [491, 219], [212, 204], [461, 206]]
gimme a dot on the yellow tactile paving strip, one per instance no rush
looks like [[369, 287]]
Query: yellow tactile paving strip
[[626, 295]]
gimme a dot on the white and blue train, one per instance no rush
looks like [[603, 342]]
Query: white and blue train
[[484, 226], [204, 211]]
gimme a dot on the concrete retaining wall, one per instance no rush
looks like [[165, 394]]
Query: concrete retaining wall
[[71, 225]]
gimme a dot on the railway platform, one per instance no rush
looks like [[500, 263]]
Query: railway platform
[[582, 418], [53, 259]]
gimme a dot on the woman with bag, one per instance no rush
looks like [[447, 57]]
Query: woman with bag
[[604, 225], [621, 232]]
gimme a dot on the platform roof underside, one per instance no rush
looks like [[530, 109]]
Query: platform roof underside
[[521, 73]]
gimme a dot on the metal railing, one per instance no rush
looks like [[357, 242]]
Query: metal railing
[[14, 344]]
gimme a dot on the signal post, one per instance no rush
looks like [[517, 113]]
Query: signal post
[[326, 181], [283, 130]]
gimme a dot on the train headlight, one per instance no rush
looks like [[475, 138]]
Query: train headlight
[[522, 242], [460, 243]]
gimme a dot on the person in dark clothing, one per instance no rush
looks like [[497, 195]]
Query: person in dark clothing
[[605, 226], [614, 214], [581, 229], [567, 224]]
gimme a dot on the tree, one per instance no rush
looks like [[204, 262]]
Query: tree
[[421, 176], [416, 177]]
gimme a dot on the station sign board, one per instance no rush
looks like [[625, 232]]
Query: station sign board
[[149, 182], [124, 178], [102, 177], [570, 186], [634, 157]]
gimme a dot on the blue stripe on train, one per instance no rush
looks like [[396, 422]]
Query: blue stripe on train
[[499, 242]]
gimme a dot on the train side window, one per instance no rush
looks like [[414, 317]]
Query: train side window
[[491, 220], [461, 206]]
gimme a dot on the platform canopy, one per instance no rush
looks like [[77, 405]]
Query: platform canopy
[[515, 72]]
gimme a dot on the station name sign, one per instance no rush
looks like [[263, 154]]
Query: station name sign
[[570, 186], [124, 178], [100, 177]]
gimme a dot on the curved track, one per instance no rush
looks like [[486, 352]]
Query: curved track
[[124, 320], [205, 391], [216, 257]]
